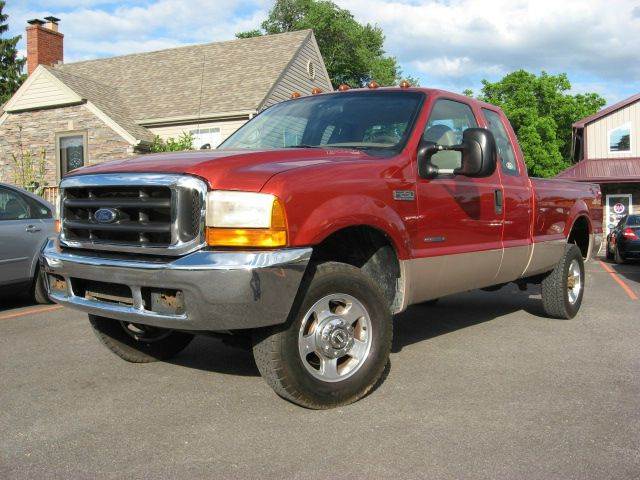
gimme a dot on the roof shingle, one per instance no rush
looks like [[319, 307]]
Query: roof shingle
[[188, 81], [604, 170]]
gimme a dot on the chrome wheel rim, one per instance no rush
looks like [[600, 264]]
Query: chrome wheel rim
[[335, 337], [574, 281], [145, 333]]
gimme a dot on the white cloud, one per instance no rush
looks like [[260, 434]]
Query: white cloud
[[99, 30], [447, 43], [458, 41]]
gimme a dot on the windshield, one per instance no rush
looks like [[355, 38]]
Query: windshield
[[633, 221], [379, 121]]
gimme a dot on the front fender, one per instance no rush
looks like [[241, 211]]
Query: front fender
[[348, 211]]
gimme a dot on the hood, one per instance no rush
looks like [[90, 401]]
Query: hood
[[226, 169]]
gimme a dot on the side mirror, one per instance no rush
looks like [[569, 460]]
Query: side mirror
[[478, 155]]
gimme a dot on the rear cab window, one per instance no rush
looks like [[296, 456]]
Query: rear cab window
[[506, 152]]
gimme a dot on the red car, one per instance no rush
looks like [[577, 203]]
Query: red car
[[310, 227]]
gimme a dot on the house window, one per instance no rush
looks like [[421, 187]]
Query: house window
[[620, 138], [206, 138], [72, 151]]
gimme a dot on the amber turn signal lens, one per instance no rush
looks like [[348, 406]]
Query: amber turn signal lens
[[246, 237], [373, 84], [316, 91], [343, 87], [295, 95], [57, 227], [404, 84], [274, 236]]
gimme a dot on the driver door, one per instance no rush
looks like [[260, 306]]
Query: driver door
[[461, 220]]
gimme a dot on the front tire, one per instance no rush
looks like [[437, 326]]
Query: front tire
[[563, 287], [139, 343], [335, 347], [39, 290]]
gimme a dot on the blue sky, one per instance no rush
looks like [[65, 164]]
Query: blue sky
[[450, 44]]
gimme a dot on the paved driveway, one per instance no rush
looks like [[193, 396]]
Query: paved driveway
[[481, 386]]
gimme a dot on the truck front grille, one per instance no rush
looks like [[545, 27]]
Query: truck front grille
[[134, 212]]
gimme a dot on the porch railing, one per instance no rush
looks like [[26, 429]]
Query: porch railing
[[50, 193]]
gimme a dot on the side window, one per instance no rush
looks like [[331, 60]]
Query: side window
[[13, 206], [505, 148], [38, 210], [447, 122]]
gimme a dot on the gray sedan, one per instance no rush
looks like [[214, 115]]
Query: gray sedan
[[26, 221]]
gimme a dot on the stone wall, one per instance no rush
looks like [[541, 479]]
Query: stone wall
[[37, 129]]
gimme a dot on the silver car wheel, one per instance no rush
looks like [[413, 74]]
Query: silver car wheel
[[574, 281], [335, 337]]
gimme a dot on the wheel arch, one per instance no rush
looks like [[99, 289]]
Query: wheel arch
[[372, 250], [580, 234]]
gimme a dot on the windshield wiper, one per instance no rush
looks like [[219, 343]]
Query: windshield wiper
[[303, 145]]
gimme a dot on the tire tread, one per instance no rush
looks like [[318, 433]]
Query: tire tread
[[269, 353], [554, 288]]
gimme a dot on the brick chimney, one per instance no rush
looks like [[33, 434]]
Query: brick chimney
[[44, 43]]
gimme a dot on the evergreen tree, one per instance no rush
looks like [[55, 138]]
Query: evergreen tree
[[11, 76]]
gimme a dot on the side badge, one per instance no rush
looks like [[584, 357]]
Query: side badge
[[404, 195]]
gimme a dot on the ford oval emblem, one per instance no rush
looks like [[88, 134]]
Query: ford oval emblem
[[105, 215]]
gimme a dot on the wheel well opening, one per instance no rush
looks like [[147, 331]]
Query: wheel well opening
[[580, 235], [368, 249]]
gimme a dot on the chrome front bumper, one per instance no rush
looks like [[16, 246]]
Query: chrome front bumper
[[220, 290]]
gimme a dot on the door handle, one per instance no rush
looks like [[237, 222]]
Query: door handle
[[32, 228], [498, 200]]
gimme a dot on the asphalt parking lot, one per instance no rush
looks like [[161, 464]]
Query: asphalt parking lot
[[480, 386]]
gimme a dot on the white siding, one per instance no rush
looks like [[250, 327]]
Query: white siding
[[41, 90], [174, 131], [296, 78], [598, 133]]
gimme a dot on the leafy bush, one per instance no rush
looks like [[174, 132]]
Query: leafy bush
[[29, 170], [183, 142]]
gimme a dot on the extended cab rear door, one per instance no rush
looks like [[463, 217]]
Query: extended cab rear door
[[517, 193], [459, 238]]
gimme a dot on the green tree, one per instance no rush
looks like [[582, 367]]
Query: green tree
[[11, 76], [541, 112], [353, 52]]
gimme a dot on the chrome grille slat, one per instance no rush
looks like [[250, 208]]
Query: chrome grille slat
[[154, 213], [153, 227], [142, 202]]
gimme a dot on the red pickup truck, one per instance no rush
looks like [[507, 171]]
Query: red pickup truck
[[310, 227]]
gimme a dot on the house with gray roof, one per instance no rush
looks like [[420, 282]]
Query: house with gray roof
[[92, 111]]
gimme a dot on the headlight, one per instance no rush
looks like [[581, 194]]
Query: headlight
[[245, 219]]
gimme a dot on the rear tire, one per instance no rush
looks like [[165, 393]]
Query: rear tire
[[138, 343], [609, 252], [335, 347], [563, 287]]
